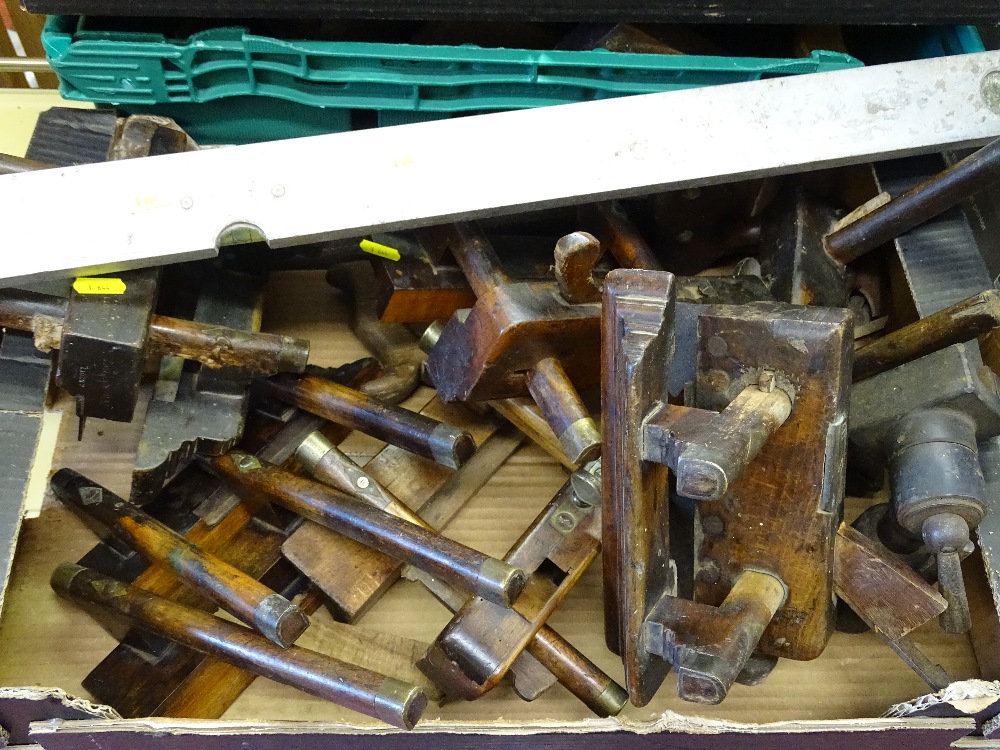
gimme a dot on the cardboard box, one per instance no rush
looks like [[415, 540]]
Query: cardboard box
[[832, 702]]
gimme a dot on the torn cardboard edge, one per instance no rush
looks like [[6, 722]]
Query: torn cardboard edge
[[24, 706], [669, 723], [991, 728], [976, 699]]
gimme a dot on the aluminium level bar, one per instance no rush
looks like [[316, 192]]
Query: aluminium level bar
[[24, 65], [141, 212]]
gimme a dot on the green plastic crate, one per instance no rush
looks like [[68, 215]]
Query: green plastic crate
[[270, 88]]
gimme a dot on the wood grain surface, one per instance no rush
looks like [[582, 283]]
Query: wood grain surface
[[885, 592], [45, 641]]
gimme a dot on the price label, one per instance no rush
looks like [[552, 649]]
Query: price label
[[382, 251], [90, 285]]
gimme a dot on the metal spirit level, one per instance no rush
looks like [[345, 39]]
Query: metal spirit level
[[145, 212]]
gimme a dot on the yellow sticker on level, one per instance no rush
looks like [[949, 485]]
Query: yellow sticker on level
[[382, 251], [144, 202], [89, 285]]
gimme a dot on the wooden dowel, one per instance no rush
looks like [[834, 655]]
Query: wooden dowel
[[961, 322], [362, 690], [461, 566], [414, 432], [240, 595]]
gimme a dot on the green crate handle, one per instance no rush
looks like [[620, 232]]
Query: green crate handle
[[402, 82]]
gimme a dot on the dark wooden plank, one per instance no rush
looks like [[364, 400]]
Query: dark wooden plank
[[886, 593], [689, 11]]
